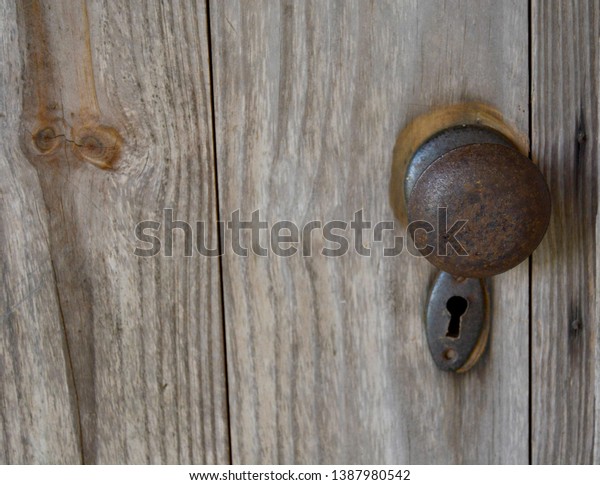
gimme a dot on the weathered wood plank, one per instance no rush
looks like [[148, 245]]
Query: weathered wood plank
[[117, 122], [327, 357], [38, 413], [565, 294]]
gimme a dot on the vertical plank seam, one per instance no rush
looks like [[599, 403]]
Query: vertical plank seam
[[530, 272], [69, 365], [218, 212]]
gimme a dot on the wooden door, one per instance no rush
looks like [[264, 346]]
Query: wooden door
[[115, 113]]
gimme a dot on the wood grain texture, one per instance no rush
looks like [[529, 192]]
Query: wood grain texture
[[117, 123], [327, 357], [38, 421], [565, 294]]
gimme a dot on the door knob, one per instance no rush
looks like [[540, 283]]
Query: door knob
[[476, 206]]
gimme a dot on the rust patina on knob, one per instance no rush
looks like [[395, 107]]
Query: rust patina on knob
[[488, 205]]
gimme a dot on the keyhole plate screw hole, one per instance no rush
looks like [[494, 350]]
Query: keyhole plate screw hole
[[449, 355]]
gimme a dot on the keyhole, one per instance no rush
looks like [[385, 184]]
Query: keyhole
[[456, 306]]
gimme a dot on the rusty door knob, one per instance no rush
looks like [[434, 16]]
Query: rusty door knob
[[476, 206]]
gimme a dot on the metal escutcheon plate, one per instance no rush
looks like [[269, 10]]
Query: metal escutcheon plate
[[457, 322]]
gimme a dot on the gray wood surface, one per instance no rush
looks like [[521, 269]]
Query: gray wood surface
[[114, 358], [565, 294], [37, 408], [327, 357], [106, 120]]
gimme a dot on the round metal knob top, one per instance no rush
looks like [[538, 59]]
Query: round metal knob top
[[479, 210]]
